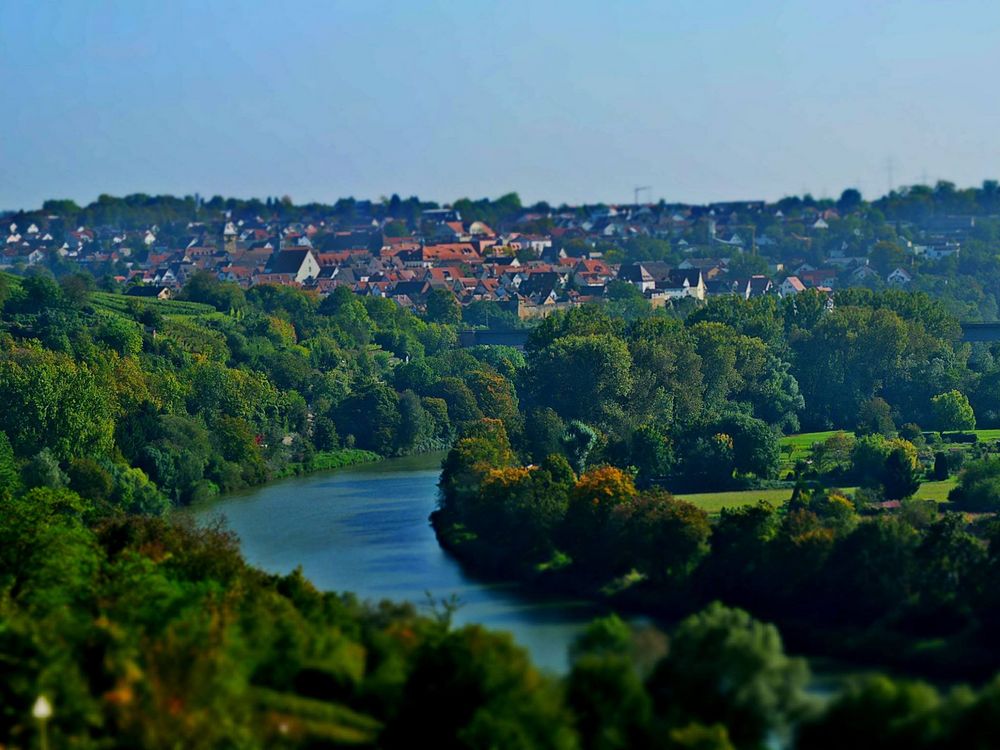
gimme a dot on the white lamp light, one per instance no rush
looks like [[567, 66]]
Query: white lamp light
[[42, 709]]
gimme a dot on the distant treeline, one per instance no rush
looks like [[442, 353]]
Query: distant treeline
[[140, 210]]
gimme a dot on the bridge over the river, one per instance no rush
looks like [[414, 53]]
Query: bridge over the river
[[514, 337], [980, 332]]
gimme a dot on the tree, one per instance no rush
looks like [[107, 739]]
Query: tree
[[577, 441], [205, 287], [371, 414], [745, 264], [42, 470], [89, 480], [543, 432], [626, 300], [415, 425], [950, 563], [716, 345], [324, 434], [50, 401], [846, 358], [520, 509], [120, 335], [587, 533], [878, 559], [900, 475], [462, 406], [605, 691], [474, 689], [706, 460], [832, 457], [589, 320], [875, 418], [9, 476], [886, 256], [661, 536], [442, 307], [76, 287], [877, 711], [978, 486], [481, 446], [756, 449], [495, 396], [776, 397], [726, 667], [437, 411], [667, 371], [581, 377], [652, 454], [952, 411], [850, 200]]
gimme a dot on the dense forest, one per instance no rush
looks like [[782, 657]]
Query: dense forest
[[573, 488], [145, 631]]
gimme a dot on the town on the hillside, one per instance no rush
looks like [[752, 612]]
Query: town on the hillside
[[528, 261]]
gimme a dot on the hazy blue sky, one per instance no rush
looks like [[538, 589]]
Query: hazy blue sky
[[566, 101]]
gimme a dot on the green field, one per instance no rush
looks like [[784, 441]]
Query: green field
[[799, 447], [12, 280], [119, 303], [713, 502], [796, 448], [936, 491]]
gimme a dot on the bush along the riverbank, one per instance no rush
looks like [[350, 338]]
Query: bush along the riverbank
[[328, 460], [913, 590]]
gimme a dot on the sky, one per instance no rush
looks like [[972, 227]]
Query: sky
[[573, 101]]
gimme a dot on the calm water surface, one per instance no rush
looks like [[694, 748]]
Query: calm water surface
[[365, 529]]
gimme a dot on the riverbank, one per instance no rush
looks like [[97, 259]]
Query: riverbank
[[959, 659], [327, 461]]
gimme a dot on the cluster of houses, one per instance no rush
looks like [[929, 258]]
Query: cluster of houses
[[528, 270]]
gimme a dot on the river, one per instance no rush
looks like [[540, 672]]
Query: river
[[365, 529]]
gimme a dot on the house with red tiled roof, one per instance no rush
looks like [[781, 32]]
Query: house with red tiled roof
[[792, 285], [452, 253], [819, 277]]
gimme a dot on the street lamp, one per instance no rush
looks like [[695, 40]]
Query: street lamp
[[42, 711]]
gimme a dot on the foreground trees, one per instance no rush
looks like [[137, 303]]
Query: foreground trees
[[190, 647]]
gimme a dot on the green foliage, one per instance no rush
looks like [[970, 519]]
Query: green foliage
[[726, 667], [443, 307], [582, 377], [480, 447], [205, 287], [663, 537], [875, 418], [474, 689], [900, 475], [577, 441], [372, 416], [51, 401], [952, 411], [89, 480], [978, 486], [605, 690], [10, 478], [42, 470]]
